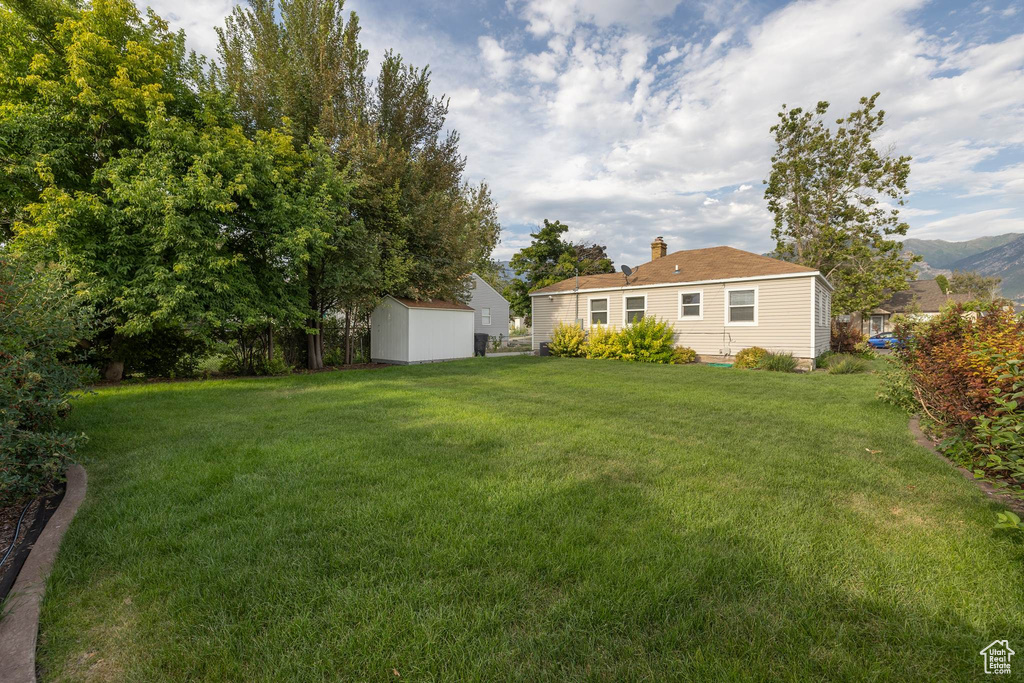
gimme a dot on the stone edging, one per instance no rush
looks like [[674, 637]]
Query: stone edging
[[19, 627], [992, 492]]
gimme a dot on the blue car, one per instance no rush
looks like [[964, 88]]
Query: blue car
[[885, 340]]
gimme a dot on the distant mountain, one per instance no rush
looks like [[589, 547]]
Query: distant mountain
[[1005, 261], [999, 255], [940, 254]]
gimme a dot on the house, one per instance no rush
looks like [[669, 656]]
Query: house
[[922, 298], [405, 331], [491, 308], [719, 300]]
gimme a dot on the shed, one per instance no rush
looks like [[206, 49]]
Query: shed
[[405, 331], [491, 308]]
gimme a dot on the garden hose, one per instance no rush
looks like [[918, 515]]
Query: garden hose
[[17, 531]]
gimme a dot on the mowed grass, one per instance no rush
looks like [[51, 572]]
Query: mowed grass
[[523, 519]]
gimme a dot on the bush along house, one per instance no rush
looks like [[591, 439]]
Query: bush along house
[[719, 300]]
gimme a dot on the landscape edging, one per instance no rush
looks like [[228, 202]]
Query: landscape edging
[[992, 492], [19, 627]]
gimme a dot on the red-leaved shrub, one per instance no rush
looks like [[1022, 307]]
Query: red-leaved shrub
[[953, 358]]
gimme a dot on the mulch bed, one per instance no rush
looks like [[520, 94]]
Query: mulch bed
[[39, 511]]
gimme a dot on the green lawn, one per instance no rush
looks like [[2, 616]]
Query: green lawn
[[523, 518]]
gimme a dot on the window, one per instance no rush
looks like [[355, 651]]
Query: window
[[598, 312], [691, 305], [824, 306], [635, 307], [742, 309], [485, 316]]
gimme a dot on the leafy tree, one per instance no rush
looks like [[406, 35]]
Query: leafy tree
[[91, 86], [551, 259], [827, 191], [943, 282], [174, 223], [975, 284], [425, 229]]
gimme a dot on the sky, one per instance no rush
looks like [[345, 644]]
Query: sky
[[630, 119]]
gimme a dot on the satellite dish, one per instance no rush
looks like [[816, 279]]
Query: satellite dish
[[627, 270]]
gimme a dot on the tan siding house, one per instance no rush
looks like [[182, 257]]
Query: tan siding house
[[719, 301]]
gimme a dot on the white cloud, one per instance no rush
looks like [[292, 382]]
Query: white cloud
[[198, 19], [969, 225], [544, 17], [495, 56], [603, 115]]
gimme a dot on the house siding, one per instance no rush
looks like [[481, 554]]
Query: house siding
[[784, 315], [485, 296], [389, 332]]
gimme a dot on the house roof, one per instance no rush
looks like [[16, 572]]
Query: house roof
[[439, 304], [695, 265], [489, 286], [921, 295]]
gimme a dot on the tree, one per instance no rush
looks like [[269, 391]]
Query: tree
[[424, 228], [975, 284], [95, 83], [177, 226], [943, 282], [828, 192], [551, 259]]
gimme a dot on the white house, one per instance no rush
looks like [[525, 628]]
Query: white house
[[490, 308], [719, 301], [405, 331]]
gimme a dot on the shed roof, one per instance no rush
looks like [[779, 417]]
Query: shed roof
[[439, 304]]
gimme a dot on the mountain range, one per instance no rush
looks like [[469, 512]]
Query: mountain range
[[1001, 256]]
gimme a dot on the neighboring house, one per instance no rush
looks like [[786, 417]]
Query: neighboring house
[[491, 308], [405, 331], [719, 301], [922, 298]]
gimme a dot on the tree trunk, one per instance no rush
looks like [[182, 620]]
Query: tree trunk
[[270, 343], [320, 342], [114, 371], [348, 337], [313, 362]]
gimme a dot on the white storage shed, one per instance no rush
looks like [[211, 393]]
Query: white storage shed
[[404, 331]]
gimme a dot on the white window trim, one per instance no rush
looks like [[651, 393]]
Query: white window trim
[[607, 310], [727, 307], [486, 316], [632, 296], [699, 316]]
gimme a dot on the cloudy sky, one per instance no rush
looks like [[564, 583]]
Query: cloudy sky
[[629, 119]]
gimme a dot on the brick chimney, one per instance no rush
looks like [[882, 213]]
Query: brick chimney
[[658, 248]]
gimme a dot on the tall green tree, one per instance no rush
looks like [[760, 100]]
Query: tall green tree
[[300, 60], [835, 200], [550, 259], [173, 222], [977, 285]]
